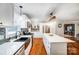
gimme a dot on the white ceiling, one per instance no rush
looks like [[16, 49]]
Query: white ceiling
[[40, 11]]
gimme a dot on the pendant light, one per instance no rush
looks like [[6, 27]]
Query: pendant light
[[21, 9]]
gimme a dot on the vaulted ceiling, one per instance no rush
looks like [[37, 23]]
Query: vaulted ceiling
[[40, 11]]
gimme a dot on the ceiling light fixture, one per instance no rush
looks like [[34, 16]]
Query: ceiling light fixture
[[52, 14]]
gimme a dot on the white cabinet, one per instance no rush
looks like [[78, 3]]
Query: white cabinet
[[25, 49], [29, 47], [21, 51]]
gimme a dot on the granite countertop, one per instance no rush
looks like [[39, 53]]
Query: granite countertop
[[56, 38], [9, 48]]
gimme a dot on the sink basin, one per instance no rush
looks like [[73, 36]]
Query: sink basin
[[21, 39]]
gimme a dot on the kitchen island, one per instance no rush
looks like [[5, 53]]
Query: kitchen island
[[55, 44]]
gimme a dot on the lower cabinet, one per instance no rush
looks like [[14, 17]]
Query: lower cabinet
[[25, 49], [73, 48], [21, 51], [28, 47]]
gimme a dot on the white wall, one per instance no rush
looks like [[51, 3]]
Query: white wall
[[59, 31], [6, 13]]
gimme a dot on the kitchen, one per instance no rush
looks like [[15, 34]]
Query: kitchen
[[21, 24]]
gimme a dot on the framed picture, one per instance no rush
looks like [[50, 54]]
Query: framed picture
[[69, 29]]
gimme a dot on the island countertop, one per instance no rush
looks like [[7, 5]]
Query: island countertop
[[56, 38], [9, 48]]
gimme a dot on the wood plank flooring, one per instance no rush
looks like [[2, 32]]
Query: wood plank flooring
[[38, 47]]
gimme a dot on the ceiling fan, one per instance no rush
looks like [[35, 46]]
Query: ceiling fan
[[52, 14]]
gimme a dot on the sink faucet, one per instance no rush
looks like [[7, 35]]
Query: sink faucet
[[18, 34]]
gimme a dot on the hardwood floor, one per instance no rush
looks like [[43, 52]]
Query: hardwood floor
[[73, 48], [38, 47]]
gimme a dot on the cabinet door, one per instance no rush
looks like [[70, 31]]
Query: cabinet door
[[27, 43], [28, 48], [21, 51]]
